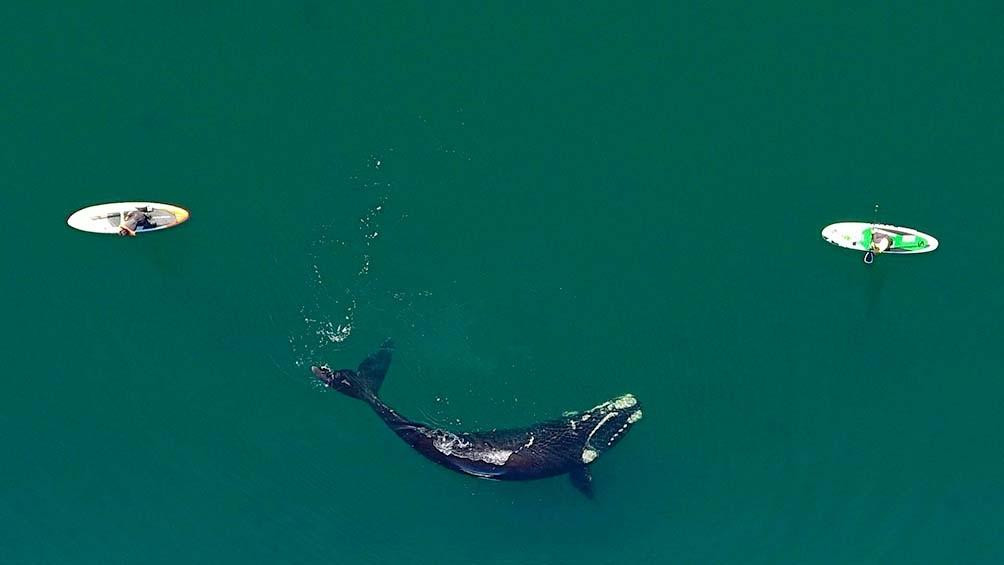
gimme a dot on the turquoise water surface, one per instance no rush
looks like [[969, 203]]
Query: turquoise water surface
[[545, 208]]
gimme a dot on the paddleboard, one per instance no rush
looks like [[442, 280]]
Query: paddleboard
[[860, 235], [105, 218]]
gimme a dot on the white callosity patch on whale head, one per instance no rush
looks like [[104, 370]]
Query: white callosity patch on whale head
[[619, 403], [626, 401], [588, 455], [634, 417]]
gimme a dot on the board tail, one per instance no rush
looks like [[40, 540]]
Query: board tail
[[363, 382]]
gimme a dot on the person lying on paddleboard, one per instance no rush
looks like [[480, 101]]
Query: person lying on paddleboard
[[881, 242], [134, 219]]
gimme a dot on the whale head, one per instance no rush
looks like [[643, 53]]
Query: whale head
[[605, 424]]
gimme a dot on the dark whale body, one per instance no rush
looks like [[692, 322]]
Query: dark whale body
[[554, 447]]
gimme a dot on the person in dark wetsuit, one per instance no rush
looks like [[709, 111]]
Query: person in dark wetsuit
[[135, 219]]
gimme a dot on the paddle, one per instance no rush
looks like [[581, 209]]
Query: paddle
[[870, 255]]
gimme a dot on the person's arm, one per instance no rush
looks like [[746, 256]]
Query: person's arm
[[123, 226]]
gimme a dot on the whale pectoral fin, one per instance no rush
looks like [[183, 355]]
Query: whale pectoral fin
[[582, 479], [475, 470]]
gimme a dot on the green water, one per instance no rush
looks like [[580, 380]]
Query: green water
[[544, 208]]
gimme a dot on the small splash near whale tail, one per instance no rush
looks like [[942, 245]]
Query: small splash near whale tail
[[363, 382]]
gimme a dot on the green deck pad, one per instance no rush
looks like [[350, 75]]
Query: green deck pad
[[908, 242]]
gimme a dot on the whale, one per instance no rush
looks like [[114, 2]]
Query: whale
[[567, 445]]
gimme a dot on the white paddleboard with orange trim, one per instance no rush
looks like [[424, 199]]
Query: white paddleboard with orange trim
[[106, 218]]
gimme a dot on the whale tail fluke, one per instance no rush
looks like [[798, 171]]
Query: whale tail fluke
[[364, 382], [372, 370]]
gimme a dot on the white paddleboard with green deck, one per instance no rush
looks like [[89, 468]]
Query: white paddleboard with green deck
[[879, 238]]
